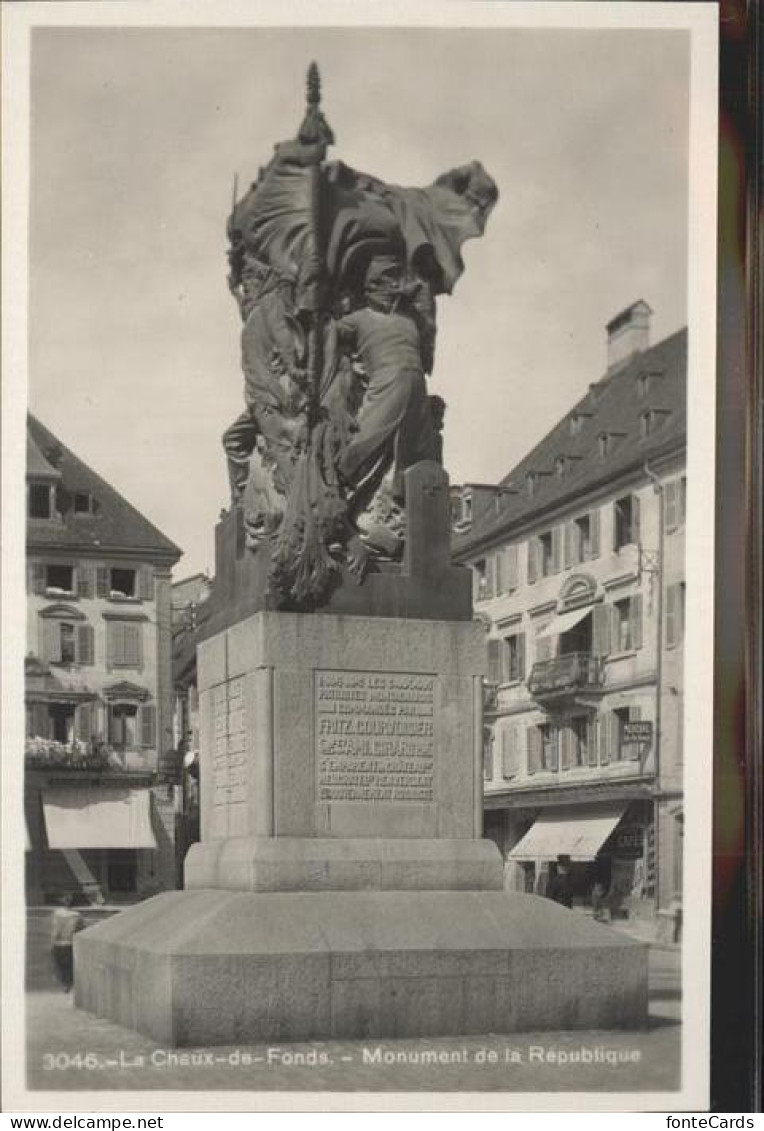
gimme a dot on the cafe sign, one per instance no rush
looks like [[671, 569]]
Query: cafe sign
[[637, 732]]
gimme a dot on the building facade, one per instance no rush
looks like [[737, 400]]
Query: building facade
[[578, 562], [99, 767]]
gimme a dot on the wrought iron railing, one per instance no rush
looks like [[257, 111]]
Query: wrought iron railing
[[571, 672]]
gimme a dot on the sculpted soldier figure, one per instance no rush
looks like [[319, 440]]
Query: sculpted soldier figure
[[336, 275]]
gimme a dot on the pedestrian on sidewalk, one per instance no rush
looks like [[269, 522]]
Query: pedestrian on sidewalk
[[64, 926]]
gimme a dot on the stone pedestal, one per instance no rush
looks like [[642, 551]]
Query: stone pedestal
[[341, 887]]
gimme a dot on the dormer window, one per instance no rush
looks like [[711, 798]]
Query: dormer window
[[560, 466], [650, 420], [83, 502], [466, 516], [59, 579], [604, 442], [40, 500], [122, 583], [530, 484], [647, 381]]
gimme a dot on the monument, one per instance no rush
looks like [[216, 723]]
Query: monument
[[341, 887]]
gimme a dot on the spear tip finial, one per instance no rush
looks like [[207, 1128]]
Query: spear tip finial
[[314, 85]]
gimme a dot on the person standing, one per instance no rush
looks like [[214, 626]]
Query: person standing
[[65, 924]]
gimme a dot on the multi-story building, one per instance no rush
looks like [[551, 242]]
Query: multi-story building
[[189, 610], [578, 560], [99, 796]]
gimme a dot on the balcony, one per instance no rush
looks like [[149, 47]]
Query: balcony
[[95, 757], [565, 675]]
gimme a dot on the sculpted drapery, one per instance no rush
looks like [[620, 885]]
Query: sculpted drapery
[[336, 275]]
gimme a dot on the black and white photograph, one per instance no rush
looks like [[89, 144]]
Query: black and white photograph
[[358, 442]]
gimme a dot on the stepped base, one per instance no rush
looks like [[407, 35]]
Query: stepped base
[[220, 967], [343, 864]]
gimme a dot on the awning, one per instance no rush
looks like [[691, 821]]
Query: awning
[[579, 835], [98, 818], [564, 622]]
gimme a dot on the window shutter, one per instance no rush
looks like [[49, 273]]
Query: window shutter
[[557, 549], [512, 570], [682, 500], [504, 657], [554, 751], [543, 648], [148, 722], [490, 579], [111, 729], [113, 642], [534, 749], [494, 661], [591, 742], [38, 577], [51, 630], [521, 655], [635, 715], [85, 644], [616, 748], [604, 739], [601, 630], [84, 579], [146, 583], [566, 736], [635, 615], [509, 752], [532, 560], [671, 504], [672, 636], [134, 645], [102, 581], [570, 540], [499, 572], [84, 722], [488, 755], [635, 520], [594, 534]]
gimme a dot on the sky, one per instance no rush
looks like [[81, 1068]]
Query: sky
[[136, 134]]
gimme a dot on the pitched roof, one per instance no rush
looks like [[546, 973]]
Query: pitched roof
[[115, 525], [613, 406]]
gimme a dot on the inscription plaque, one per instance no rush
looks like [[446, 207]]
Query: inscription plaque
[[375, 736], [229, 764]]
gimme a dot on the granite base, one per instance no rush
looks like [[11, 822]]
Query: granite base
[[219, 967]]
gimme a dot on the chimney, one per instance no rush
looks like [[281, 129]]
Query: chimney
[[628, 334]]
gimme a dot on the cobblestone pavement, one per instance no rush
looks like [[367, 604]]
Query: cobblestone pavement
[[69, 1050]]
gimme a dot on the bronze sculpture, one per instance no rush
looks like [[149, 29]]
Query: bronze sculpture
[[336, 276]]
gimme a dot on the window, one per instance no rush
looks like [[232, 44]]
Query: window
[[675, 614], [62, 722], [123, 725], [625, 521], [627, 624], [59, 578], [487, 754], [623, 751], [39, 500], [122, 583], [466, 515], [480, 580], [582, 539], [83, 502], [124, 644], [581, 737], [604, 444], [545, 554], [513, 658], [576, 423], [548, 747], [66, 642], [561, 466], [530, 484]]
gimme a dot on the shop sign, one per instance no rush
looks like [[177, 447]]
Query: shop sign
[[628, 840], [637, 732]]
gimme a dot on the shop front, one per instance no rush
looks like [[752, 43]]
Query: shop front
[[603, 851]]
